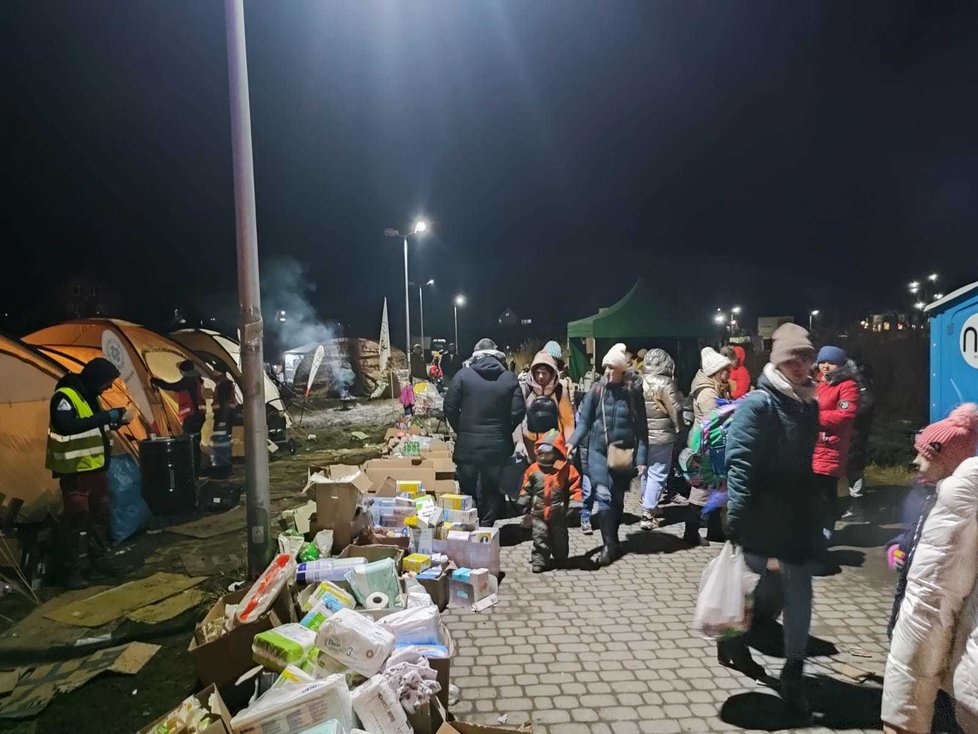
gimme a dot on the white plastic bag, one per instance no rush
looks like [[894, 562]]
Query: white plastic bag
[[723, 608], [415, 626]]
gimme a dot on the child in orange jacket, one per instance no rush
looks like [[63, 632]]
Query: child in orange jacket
[[548, 487]]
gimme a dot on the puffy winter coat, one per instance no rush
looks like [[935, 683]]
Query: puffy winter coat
[[627, 424], [739, 376], [705, 394], [484, 405], [663, 401], [555, 391], [838, 402], [935, 641], [773, 509]]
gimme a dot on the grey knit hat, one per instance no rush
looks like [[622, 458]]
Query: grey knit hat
[[791, 342], [485, 345]]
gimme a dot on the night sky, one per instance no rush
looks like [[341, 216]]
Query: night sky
[[779, 155]]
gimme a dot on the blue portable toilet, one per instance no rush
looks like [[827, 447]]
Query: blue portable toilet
[[953, 351]]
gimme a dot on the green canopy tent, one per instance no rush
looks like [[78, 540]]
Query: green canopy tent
[[645, 318]]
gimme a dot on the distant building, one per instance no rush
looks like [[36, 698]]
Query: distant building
[[83, 296]]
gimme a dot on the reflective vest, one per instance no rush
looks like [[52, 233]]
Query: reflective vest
[[80, 452], [188, 403]]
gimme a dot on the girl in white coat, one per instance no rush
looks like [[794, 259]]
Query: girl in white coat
[[935, 640]]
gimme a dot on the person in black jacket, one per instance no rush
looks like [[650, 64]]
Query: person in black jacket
[[484, 405], [451, 362], [859, 447]]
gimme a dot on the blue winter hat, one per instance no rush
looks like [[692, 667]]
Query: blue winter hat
[[832, 355], [553, 349]]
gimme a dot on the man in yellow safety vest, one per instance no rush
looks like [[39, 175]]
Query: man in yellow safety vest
[[78, 454]]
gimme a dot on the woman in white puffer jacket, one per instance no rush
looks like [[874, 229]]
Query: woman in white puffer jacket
[[935, 640]]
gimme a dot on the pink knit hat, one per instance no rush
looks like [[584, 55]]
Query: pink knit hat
[[952, 440]]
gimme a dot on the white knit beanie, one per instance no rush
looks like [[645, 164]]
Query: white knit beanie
[[712, 361], [616, 357]]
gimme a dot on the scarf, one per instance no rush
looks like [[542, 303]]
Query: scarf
[[799, 393]]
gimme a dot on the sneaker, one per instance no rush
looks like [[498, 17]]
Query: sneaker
[[536, 568], [649, 521], [586, 528]]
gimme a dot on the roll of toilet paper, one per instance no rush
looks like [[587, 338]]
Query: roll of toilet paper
[[377, 600]]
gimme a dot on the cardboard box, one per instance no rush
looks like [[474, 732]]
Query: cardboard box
[[339, 491], [221, 726], [379, 470], [443, 667], [464, 727], [470, 553], [438, 588], [225, 659], [376, 552]]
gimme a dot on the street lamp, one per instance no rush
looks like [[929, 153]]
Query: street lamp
[[919, 305], [429, 283], [420, 227], [811, 318], [932, 277], [459, 301]]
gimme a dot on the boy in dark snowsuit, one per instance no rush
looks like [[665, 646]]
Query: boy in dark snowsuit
[[548, 487]]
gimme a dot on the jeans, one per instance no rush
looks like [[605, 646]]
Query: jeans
[[660, 461], [587, 497], [796, 585], [611, 507], [481, 481]]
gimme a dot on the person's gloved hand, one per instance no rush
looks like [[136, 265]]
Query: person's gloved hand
[[116, 415], [895, 558]]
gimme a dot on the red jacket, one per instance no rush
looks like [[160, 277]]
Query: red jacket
[[838, 401], [739, 376]]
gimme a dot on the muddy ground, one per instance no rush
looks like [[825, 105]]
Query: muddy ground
[[119, 703]]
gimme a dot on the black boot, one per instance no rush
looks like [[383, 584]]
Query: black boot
[[734, 653], [609, 539], [692, 533], [793, 687], [76, 544], [714, 527]]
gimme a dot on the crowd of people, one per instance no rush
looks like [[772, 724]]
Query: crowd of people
[[763, 461]]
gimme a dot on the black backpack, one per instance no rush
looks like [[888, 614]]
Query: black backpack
[[542, 414]]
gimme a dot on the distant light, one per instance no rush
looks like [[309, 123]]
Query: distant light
[[932, 277], [914, 288], [914, 284], [459, 300], [938, 296], [815, 312], [736, 309], [719, 319], [430, 282], [919, 305], [526, 322], [420, 226], [280, 316]]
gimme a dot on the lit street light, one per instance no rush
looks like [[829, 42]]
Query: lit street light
[[811, 319], [938, 296], [459, 301], [932, 277], [420, 227], [719, 319], [429, 283]]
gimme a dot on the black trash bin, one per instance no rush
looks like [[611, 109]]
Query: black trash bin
[[167, 468]]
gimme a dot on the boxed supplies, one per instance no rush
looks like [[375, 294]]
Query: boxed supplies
[[469, 586], [435, 581], [321, 666], [409, 488], [282, 646], [416, 626], [456, 501], [205, 710], [326, 594], [477, 549], [416, 563], [220, 656], [355, 641], [464, 519], [327, 569], [379, 709], [294, 708], [338, 490], [374, 552], [375, 585]]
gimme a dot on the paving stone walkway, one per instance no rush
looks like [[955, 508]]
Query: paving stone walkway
[[611, 650]]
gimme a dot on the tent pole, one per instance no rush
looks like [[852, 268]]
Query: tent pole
[[249, 294]]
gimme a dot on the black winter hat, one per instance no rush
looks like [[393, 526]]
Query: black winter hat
[[98, 373]]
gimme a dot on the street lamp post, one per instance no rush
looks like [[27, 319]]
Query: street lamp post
[[420, 227], [459, 301], [811, 319], [430, 282]]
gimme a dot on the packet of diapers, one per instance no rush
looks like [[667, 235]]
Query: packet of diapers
[[379, 709], [379, 577], [415, 626], [357, 642], [282, 646]]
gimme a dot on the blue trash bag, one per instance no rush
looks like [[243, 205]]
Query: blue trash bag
[[129, 511]]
